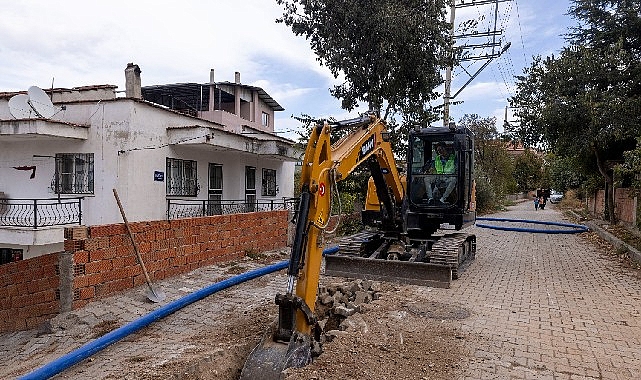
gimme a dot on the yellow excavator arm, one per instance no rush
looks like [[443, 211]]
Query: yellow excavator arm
[[324, 165]]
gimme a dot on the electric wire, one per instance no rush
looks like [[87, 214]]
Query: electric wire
[[162, 145], [518, 18]]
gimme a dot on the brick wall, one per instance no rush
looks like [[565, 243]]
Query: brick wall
[[28, 292], [100, 260], [596, 203], [626, 205]]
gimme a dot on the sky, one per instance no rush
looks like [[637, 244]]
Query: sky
[[72, 43]]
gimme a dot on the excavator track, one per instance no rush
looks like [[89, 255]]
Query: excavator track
[[363, 255], [454, 250], [354, 244]]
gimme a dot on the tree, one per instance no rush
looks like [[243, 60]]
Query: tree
[[353, 189], [493, 166], [585, 102], [606, 23], [389, 52], [564, 174], [528, 171], [630, 169]]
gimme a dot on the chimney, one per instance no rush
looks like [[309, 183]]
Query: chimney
[[132, 81], [237, 77]]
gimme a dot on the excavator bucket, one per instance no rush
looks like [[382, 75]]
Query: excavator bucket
[[270, 358]]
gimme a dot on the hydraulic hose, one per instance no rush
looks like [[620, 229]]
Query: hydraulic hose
[[55, 367], [571, 228]]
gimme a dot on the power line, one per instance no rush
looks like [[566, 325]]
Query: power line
[[518, 18]]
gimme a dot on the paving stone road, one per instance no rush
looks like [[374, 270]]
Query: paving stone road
[[549, 306], [543, 306]]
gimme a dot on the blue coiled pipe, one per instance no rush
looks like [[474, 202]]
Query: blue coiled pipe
[[573, 228], [53, 368]]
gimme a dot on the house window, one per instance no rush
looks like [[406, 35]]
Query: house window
[[182, 177], [74, 173], [215, 191], [250, 188], [265, 119], [269, 182]]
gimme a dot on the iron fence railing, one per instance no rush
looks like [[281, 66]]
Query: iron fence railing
[[192, 208], [37, 213]]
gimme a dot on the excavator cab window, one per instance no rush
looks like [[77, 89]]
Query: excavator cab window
[[434, 169]]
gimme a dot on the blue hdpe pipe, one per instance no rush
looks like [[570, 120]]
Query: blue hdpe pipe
[[55, 367], [571, 228]]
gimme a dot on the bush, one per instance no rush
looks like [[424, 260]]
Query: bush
[[571, 200], [350, 224], [485, 196]]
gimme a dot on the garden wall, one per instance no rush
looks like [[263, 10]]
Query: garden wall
[[100, 260], [626, 206], [28, 292]]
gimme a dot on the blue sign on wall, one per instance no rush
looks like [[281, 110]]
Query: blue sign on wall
[[159, 176]]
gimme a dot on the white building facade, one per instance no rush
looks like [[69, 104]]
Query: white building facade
[[170, 151]]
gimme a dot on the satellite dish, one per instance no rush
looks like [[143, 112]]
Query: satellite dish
[[40, 102], [20, 108]]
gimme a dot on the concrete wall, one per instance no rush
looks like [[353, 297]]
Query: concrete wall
[[100, 260]]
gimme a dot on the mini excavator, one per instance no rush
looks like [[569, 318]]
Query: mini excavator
[[406, 215]]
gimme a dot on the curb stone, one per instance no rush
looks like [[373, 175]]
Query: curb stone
[[594, 225]]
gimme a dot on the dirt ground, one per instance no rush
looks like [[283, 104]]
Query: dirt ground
[[399, 332], [397, 336]]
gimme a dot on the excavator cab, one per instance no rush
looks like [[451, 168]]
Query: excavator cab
[[439, 184], [440, 179]]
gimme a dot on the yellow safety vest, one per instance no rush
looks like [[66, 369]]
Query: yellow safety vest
[[448, 168]]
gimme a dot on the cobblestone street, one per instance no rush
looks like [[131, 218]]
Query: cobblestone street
[[549, 306]]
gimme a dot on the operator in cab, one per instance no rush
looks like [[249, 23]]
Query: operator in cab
[[440, 185]]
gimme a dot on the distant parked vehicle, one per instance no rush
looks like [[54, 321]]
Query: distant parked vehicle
[[555, 197]]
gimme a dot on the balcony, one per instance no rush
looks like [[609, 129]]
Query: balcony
[[37, 222], [192, 208], [37, 213]]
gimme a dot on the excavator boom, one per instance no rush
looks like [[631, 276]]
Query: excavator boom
[[401, 249]]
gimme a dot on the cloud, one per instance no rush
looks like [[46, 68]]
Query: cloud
[[77, 43]]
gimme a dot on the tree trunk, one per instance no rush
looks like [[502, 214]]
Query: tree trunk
[[609, 188]]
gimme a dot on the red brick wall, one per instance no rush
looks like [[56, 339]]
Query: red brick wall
[[626, 208], [28, 294], [625, 205], [596, 203], [104, 261]]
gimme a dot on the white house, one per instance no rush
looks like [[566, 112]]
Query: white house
[[170, 151]]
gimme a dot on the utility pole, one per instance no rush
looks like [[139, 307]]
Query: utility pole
[[447, 95], [448, 69]]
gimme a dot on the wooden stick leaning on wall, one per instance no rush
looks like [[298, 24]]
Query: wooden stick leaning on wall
[[153, 294]]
